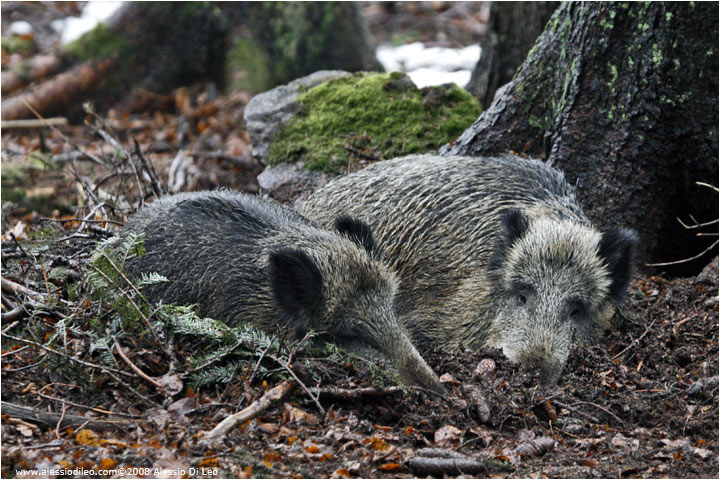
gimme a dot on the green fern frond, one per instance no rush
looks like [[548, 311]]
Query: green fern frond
[[185, 320], [150, 279], [215, 374]]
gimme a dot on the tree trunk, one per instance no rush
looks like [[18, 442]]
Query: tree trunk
[[158, 46], [300, 38], [511, 32], [623, 98]]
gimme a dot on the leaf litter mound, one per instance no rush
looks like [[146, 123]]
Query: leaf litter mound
[[85, 389]]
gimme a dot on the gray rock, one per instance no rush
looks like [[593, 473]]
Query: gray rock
[[709, 274], [290, 183], [266, 113]]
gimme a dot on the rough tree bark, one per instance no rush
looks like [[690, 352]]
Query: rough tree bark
[[624, 98], [511, 32]]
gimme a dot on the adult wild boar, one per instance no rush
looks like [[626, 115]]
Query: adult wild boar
[[489, 252], [242, 259]]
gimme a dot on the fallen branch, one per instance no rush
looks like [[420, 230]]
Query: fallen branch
[[438, 467], [31, 70], [16, 288], [53, 419], [439, 453], [17, 313], [300, 382], [58, 92], [258, 406], [135, 368], [34, 123], [358, 393]]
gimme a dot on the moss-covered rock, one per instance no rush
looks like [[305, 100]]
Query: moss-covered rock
[[371, 116]]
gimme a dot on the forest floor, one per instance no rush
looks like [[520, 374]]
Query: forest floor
[[642, 403]]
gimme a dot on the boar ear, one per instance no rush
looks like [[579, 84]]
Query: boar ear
[[295, 281], [617, 249], [514, 224], [359, 232]]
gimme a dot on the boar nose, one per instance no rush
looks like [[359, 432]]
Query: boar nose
[[538, 362]]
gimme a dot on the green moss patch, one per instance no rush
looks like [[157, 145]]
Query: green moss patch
[[100, 42], [372, 116], [17, 45]]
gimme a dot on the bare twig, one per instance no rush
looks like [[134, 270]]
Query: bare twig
[[130, 387], [697, 225], [579, 412], [34, 123], [703, 184], [257, 363], [59, 422], [150, 170], [714, 244], [66, 356], [258, 406], [128, 157], [359, 393], [361, 154], [635, 341], [13, 352], [10, 327], [86, 220], [618, 419], [63, 136], [135, 368], [302, 385]]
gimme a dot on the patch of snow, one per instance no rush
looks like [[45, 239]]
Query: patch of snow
[[430, 66], [20, 28], [427, 77], [93, 13]]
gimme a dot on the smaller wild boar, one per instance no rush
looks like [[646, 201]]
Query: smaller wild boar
[[242, 259]]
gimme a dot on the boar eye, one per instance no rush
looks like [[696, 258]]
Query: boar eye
[[576, 312], [521, 299]]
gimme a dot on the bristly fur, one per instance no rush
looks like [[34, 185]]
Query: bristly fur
[[358, 232], [489, 251], [242, 259]]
